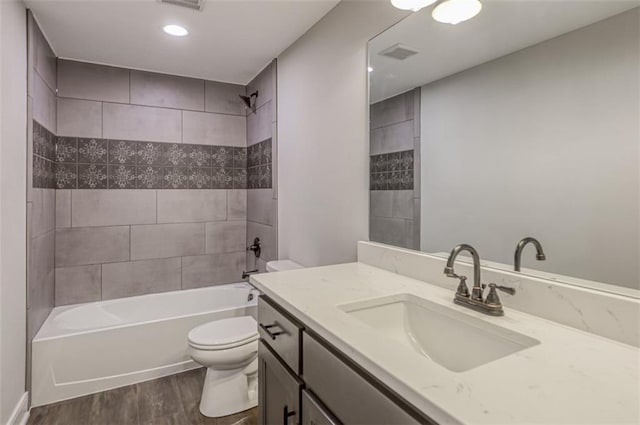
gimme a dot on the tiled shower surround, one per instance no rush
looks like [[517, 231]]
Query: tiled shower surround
[[151, 176], [394, 178]]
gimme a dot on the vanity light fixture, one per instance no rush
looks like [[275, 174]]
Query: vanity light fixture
[[456, 11], [175, 30], [413, 5]]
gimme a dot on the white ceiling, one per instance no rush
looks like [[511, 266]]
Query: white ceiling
[[229, 41], [502, 27]]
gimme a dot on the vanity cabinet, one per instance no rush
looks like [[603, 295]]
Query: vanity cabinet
[[304, 380], [278, 390]]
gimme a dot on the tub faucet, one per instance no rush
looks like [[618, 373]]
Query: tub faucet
[[245, 275], [518, 255], [489, 305]]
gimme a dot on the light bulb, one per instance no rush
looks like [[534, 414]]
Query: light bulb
[[455, 11], [414, 5], [175, 30]]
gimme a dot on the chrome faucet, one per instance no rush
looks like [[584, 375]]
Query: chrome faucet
[[518, 255], [489, 305]]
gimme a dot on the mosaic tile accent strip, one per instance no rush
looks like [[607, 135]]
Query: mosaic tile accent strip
[[125, 164], [391, 171], [44, 157], [259, 161]]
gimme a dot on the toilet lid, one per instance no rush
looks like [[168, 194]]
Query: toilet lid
[[225, 332]]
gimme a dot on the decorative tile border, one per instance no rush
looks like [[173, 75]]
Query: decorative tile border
[[259, 165], [44, 173], [124, 164], [391, 171]]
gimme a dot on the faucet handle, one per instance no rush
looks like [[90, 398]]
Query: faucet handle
[[463, 289], [492, 296]]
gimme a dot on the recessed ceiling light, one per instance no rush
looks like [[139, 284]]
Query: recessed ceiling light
[[455, 11], [370, 69], [175, 30], [414, 5]]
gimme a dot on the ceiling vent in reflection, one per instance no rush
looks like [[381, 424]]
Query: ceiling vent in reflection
[[399, 51], [190, 4]]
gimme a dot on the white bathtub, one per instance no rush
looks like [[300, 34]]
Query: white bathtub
[[87, 348]]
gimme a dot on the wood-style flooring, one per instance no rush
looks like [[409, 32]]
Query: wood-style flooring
[[172, 400]]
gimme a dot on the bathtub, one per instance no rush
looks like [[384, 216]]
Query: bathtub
[[88, 348]]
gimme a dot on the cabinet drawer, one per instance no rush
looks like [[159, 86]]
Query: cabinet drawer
[[280, 332], [349, 396], [314, 413]]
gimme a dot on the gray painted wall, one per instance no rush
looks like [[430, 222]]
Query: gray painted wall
[[542, 142], [13, 203], [323, 174]]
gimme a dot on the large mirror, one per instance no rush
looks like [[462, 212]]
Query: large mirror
[[523, 121]]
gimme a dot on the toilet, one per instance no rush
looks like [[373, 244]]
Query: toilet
[[228, 348]]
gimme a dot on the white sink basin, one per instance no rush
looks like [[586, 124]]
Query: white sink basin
[[452, 339]]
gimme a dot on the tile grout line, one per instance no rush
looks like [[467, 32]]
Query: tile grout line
[[142, 105]]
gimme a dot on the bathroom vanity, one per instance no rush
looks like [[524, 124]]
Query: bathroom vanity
[[291, 394], [358, 344]]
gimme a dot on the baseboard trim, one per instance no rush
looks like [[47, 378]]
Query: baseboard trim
[[20, 414]]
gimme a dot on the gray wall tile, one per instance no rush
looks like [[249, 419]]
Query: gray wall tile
[[140, 277], [206, 270], [167, 240], [225, 236], [393, 138], [141, 123], [112, 207], [214, 129], [44, 59], [224, 98], [78, 284], [237, 204], [260, 206], [79, 118], [264, 83], [403, 204], [41, 278], [259, 125], [91, 245], [392, 231], [184, 206], [43, 211], [63, 208], [267, 237], [394, 110], [381, 203], [81, 80], [167, 91], [44, 104]]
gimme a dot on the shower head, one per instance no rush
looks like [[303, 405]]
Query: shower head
[[249, 101]]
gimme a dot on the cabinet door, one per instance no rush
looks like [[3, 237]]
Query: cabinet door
[[314, 413], [279, 390]]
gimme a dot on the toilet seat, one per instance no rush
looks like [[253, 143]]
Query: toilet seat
[[224, 334]]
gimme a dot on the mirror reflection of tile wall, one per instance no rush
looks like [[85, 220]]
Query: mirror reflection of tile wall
[[394, 158]]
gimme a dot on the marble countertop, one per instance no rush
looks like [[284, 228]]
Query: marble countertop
[[571, 377]]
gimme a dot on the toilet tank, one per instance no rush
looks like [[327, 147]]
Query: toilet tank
[[282, 265]]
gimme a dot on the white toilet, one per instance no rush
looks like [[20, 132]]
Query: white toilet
[[228, 348]]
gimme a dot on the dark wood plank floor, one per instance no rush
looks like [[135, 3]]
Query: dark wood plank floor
[[172, 400]]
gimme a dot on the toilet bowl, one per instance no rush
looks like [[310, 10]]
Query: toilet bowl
[[228, 348]]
